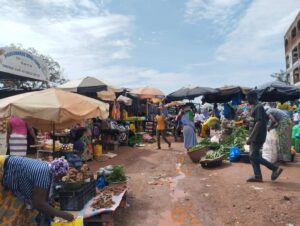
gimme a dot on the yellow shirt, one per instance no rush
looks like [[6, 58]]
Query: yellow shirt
[[211, 121], [160, 122], [284, 106]]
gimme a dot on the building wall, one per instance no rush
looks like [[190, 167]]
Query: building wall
[[292, 51]]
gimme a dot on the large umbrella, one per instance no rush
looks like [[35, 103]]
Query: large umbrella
[[226, 94], [278, 91], [147, 93], [110, 93], [43, 108], [84, 85], [126, 100], [190, 93]]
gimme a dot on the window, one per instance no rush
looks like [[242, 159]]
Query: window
[[286, 43], [296, 75], [287, 61], [298, 25], [295, 54], [294, 32]]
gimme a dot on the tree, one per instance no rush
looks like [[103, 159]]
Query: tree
[[280, 76], [56, 76]]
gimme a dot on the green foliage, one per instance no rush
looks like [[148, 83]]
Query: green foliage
[[118, 174], [280, 76]]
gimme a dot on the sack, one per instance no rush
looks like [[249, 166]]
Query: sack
[[270, 147], [234, 154], [77, 222]]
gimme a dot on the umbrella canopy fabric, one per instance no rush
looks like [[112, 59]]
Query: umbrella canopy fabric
[[190, 93], [278, 91], [147, 93], [226, 94], [126, 100], [41, 108], [107, 95], [84, 85]]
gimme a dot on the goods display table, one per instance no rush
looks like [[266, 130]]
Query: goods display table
[[93, 216]]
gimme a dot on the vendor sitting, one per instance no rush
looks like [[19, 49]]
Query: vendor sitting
[[27, 186], [207, 125], [78, 144]]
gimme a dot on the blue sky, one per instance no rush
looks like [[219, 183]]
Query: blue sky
[[163, 43]]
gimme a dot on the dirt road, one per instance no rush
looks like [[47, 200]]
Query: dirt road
[[167, 189]]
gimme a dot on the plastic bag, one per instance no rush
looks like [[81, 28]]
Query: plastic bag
[[234, 154], [77, 222], [215, 139], [270, 147]]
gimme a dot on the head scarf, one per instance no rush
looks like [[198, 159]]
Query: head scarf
[[59, 167]]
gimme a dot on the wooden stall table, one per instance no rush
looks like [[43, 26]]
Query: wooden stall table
[[100, 216]]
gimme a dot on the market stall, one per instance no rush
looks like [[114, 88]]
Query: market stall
[[52, 110], [92, 197]]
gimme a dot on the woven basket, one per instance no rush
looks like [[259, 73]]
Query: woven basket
[[212, 162], [196, 155]]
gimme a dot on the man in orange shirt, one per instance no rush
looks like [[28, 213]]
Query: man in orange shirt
[[160, 129]]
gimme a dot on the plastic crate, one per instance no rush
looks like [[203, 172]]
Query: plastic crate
[[75, 200]]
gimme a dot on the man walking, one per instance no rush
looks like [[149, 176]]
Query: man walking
[[257, 138], [160, 129]]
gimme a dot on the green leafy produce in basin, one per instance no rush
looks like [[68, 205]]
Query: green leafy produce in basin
[[197, 147], [212, 155], [117, 175]]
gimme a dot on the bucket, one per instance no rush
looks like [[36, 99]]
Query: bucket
[[97, 151]]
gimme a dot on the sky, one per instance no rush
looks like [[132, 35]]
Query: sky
[[168, 44]]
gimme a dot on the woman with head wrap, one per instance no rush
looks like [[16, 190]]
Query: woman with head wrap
[[189, 134], [281, 121], [26, 187]]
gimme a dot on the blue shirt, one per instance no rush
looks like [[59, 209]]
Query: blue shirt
[[23, 174]]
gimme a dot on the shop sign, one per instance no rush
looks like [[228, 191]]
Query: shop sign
[[23, 64]]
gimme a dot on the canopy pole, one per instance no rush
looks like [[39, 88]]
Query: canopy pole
[[53, 134], [147, 110]]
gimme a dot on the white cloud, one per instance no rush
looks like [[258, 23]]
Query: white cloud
[[258, 37], [220, 12], [78, 34]]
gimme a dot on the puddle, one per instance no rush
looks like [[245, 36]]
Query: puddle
[[180, 214], [166, 220], [181, 210]]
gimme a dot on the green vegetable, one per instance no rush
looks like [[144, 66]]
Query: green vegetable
[[212, 155], [205, 141], [214, 145], [118, 174], [197, 147]]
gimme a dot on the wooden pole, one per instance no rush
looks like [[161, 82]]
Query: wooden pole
[[53, 134]]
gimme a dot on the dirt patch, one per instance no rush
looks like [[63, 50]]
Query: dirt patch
[[188, 195]]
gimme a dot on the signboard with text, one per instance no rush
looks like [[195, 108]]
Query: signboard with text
[[22, 63]]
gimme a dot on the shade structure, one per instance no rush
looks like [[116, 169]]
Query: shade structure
[[226, 94], [278, 91], [84, 85], [42, 108], [125, 100], [107, 95], [190, 93], [147, 93]]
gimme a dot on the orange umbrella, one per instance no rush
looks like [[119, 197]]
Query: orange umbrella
[[147, 93]]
